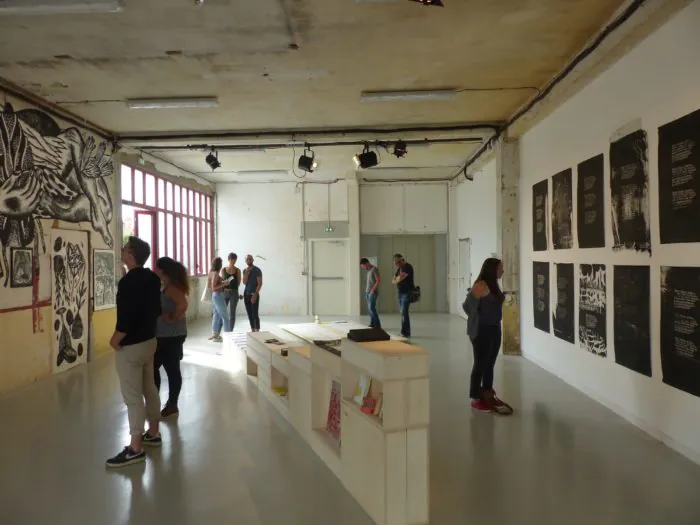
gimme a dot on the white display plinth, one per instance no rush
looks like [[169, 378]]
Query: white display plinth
[[383, 462]]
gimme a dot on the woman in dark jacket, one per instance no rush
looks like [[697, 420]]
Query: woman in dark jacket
[[484, 309]]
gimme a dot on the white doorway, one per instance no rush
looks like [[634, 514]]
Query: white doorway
[[465, 271], [329, 277]]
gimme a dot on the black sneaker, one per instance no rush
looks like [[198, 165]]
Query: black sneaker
[[126, 457], [151, 441]]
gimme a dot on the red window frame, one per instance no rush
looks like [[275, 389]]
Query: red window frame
[[194, 249]]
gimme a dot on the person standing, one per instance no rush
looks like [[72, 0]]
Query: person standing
[[403, 279], [484, 308], [172, 328], [134, 342], [371, 291], [253, 281], [232, 274], [219, 314]]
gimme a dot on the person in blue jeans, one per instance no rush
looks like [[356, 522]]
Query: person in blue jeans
[[403, 279], [371, 291], [218, 301]]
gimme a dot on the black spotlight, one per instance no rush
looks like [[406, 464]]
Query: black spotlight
[[307, 162], [436, 3], [400, 149], [366, 159], [213, 160]]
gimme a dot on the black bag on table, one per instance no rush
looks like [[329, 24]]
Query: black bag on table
[[367, 335]]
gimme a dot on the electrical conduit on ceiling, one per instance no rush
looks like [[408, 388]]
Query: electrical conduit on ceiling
[[629, 11]]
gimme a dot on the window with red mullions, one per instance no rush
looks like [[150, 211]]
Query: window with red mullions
[[176, 221]]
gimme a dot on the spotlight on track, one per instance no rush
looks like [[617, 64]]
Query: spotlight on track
[[400, 149], [307, 162], [366, 159], [436, 3], [213, 159]]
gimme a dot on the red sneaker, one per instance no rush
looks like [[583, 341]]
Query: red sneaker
[[481, 405]]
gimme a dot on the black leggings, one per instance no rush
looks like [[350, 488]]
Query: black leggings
[[486, 347], [169, 352], [232, 302], [251, 309]]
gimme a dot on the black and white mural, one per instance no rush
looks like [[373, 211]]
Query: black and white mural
[[69, 265], [540, 294], [632, 317], [540, 214], [21, 267], [104, 281], [629, 185], [590, 199], [562, 211], [680, 328], [679, 180], [48, 173], [563, 309], [592, 323]]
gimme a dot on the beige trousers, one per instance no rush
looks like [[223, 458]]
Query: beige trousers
[[135, 370]]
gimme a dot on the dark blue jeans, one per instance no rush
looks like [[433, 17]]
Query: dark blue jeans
[[404, 304], [372, 308]]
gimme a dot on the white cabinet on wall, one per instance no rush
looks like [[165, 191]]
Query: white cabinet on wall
[[403, 208]]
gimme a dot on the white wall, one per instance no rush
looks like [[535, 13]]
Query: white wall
[[472, 208], [265, 220], [658, 81]]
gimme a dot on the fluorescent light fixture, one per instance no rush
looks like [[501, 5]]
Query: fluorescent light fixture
[[58, 7], [172, 103], [383, 96]]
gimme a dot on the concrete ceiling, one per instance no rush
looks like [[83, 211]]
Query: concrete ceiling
[[299, 64]]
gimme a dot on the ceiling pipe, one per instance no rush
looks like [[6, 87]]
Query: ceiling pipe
[[294, 134], [631, 9], [254, 147]]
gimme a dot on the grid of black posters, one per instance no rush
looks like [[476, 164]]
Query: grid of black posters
[[680, 328], [592, 319], [629, 187], [540, 193], [540, 280], [562, 211], [590, 197], [679, 180], [563, 314], [632, 318]]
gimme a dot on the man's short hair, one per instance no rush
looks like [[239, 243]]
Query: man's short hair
[[139, 249], [398, 256], [364, 260]]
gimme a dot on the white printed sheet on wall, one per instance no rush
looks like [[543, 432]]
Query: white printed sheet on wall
[[70, 294]]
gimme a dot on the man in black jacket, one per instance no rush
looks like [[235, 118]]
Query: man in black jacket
[[134, 341]]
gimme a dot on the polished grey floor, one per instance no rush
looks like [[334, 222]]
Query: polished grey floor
[[229, 458]]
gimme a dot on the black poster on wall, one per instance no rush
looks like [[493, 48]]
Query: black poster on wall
[[679, 180], [540, 193], [592, 308], [540, 295], [562, 211], [632, 317], [563, 311], [590, 195], [629, 187], [680, 328]]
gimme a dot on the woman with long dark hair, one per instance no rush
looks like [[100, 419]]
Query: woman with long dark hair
[[484, 308], [218, 301], [171, 331]]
